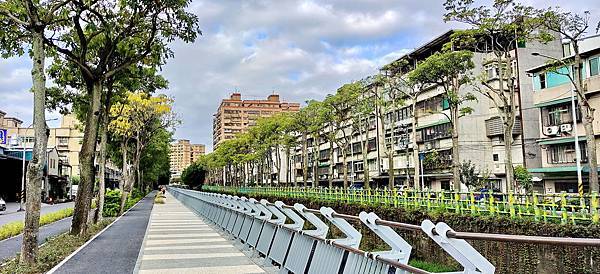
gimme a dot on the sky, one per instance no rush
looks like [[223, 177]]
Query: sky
[[300, 49]]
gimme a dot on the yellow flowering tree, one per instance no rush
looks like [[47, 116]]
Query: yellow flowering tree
[[136, 120]]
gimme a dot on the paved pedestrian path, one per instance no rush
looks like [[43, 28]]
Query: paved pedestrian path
[[178, 241], [116, 249]]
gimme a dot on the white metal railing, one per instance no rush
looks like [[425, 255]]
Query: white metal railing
[[276, 232]]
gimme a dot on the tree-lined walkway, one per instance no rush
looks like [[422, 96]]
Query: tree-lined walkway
[[116, 249], [178, 241]]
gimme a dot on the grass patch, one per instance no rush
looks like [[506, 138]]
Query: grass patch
[[431, 266], [15, 228], [55, 250]]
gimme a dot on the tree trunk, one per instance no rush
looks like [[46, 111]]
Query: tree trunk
[[136, 163], [345, 163], [126, 191], [316, 152], [365, 160], [416, 159], [304, 159], [102, 161], [508, 139], [287, 166], [455, 152], [35, 171], [86, 161], [278, 166], [390, 169], [124, 175], [102, 167], [508, 119], [588, 121], [331, 165]]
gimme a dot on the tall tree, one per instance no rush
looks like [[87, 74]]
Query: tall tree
[[411, 88], [573, 27], [387, 100], [139, 118], [449, 70], [102, 39], [363, 119], [340, 107], [497, 29], [24, 22], [309, 121]]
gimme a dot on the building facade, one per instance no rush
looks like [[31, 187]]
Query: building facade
[[183, 154], [389, 132], [235, 115], [66, 139], [552, 89]]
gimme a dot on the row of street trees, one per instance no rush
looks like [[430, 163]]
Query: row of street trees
[[494, 30], [100, 49]]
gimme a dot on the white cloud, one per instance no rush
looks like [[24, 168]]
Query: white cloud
[[302, 49]]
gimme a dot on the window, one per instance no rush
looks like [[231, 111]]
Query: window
[[565, 153], [430, 105], [357, 148], [437, 131], [404, 113], [491, 71], [560, 114], [446, 185], [594, 66], [372, 164], [495, 156], [358, 166], [324, 154], [372, 145], [566, 50], [542, 77], [445, 104], [63, 141]]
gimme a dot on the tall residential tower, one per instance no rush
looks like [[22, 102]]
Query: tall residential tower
[[236, 115]]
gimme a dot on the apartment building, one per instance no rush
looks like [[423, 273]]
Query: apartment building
[[235, 115], [551, 90], [183, 154], [480, 133], [66, 138]]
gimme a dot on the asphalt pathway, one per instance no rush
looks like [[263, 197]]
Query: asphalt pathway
[[116, 249], [11, 246], [11, 214]]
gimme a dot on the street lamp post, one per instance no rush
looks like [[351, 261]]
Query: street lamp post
[[574, 117]]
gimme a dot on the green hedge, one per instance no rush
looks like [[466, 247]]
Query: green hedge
[[15, 228], [112, 201], [507, 257]]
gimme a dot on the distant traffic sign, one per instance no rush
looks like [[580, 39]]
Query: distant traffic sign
[[3, 136]]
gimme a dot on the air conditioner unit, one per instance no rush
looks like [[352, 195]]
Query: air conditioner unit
[[566, 127], [551, 131]]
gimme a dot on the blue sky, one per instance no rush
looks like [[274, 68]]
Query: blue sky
[[301, 49]]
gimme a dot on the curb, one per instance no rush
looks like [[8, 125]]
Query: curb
[[138, 261], [56, 267]]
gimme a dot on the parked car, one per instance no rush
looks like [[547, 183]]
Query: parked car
[[2, 205]]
